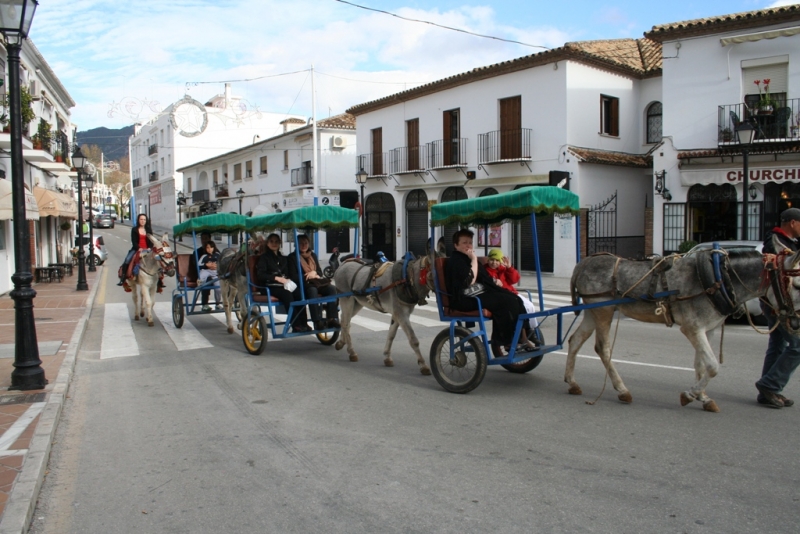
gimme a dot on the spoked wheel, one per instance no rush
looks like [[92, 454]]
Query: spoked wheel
[[327, 272], [465, 371], [328, 338], [254, 333], [530, 364], [177, 311]]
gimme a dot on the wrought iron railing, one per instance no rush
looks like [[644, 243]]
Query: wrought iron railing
[[444, 153], [152, 149], [303, 176], [373, 164], [221, 190], [137, 182], [504, 145], [779, 124], [154, 176], [406, 159]]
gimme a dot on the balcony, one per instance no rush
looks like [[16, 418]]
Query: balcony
[[373, 164], [154, 176], [504, 146], [407, 159], [302, 176], [781, 125], [221, 190], [152, 150], [137, 182], [446, 153]]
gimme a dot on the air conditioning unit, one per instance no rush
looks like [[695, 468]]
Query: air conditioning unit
[[338, 142]]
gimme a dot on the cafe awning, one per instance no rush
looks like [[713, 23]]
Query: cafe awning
[[6, 209], [55, 204]]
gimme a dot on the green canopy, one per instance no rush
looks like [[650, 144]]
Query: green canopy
[[308, 217], [224, 223], [515, 204]]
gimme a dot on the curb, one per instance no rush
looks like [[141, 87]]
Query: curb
[[22, 501]]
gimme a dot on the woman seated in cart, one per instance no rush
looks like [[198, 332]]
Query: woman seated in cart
[[315, 285], [273, 271], [463, 270]]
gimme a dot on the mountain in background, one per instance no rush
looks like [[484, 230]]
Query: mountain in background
[[113, 143]]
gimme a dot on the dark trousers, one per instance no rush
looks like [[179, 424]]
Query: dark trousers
[[506, 308], [286, 298], [331, 308]]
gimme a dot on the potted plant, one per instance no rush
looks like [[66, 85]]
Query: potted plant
[[4, 121], [66, 225], [37, 142], [43, 132], [765, 102], [795, 128], [727, 135], [59, 157]]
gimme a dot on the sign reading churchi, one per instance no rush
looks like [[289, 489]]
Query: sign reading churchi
[[766, 175]]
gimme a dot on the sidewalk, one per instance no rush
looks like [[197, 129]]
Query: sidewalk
[[28, 419]]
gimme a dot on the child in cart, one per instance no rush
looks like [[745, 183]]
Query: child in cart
[[506, 276], [208, 270]]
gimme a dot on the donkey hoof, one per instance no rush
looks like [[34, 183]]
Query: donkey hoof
[[230, 330], [425, 371], [685, 399], [575, 390], [339, 345], [388, 362], [626, 397], [135, 317], [141, 314], [354, 357], [711, 406], [150, 323]]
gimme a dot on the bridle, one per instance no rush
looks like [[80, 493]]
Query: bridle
[[165, 258], [780, 279]]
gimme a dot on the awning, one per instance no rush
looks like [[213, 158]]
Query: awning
[[6, 205], [753, 37], [55, 204]]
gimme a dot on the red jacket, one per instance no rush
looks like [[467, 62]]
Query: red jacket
[[508, 275]]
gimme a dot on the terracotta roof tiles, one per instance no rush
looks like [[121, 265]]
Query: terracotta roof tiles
[[724, 23], [607, 157], [345, 121]]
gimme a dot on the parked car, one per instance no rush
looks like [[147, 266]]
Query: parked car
[[753, 305], [112, 212], [103, 220], [99, 253]]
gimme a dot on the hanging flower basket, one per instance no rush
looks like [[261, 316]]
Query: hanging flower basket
[[65, 225]]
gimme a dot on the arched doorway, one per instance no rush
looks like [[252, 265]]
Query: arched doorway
[[202, 181], [380, 225], [487, 243], [713, 213], [449, 195], [524, 258], [417, 222]]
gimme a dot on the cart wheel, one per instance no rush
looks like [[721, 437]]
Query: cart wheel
[[177, 311], [466, 370], [254, 334], [530, 364], [327, 272], [328, 338]]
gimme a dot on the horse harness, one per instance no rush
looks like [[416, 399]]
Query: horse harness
[[401, 281], [779, 278], [160, 255]]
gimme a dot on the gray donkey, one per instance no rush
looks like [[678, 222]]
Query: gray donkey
[[606, 277]]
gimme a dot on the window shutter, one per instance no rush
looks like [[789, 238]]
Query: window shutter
[[614, 117], [778, 76], [446, 137]]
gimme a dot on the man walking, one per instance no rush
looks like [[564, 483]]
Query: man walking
[[783, 349]]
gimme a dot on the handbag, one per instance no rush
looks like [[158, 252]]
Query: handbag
[[474, 290], [320, 282]]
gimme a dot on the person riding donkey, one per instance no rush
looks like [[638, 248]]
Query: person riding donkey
[[139, 242]]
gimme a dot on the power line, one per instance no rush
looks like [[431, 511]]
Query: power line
[[248, 79], [369, 81], [441, 26]]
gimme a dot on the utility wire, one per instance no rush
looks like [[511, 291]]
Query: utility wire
[[369, 81], [249, 79], [441, 26]]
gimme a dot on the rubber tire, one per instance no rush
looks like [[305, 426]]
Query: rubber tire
[[443, 370], [93, 258], [327, 272], [177, 311], [328, 338], [528, 365], [256, 328]]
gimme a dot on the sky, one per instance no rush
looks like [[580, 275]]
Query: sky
[[123, 62]]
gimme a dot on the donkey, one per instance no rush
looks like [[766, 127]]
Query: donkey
[[606, 277], [151, 263], [232, 283], [397, 297]]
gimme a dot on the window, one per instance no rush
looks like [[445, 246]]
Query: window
[[263, 165], [285, 160], [609, 115], [451, 136], [377, 151], [412, 142], [2, 235], [654, 123], [215, 176], [248, 168], [189, 186], [237, 171], [776, 70], [511, 139]]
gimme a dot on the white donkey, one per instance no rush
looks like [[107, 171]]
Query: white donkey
[[152, 262]]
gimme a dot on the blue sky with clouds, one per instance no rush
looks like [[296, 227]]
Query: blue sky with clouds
[[113, 57]]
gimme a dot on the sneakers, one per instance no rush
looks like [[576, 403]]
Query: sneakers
[[786, 402], [334, 323], [219, 307], [770, 398], [121, 283], [320, 324], [301, 328], [206, 308]]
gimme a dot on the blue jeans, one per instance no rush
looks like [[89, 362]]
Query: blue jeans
[[781, 359]]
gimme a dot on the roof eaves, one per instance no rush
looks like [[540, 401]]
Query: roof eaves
[[724, 23]]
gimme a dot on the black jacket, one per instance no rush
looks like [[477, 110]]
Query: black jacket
[[458, 273], [135, 237], [784, 240], [270, 265], [296, 271]]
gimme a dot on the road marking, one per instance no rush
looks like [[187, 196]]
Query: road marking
[[185, 338], [673, 367], [118, 338], [424, 321], [15, 431], [370, 324]]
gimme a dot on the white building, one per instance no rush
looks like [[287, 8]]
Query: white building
[[279, 174], [585, 111], [46, 141], [186, 132], [710, 66]]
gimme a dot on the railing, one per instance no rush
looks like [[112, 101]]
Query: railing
[[154, 176], [407, 159], [221, 190], [444, 153], [373, 164], [303, 176], [137, 182], [152, 149], [504, 145], [781, 124]]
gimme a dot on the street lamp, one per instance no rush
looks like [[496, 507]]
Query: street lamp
[[361, 179], [89, 173], [745, 134], [79, 160], [240, 196], [181, 201], [16, 17]]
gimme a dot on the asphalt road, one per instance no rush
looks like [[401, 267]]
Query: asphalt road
[[211, 439]]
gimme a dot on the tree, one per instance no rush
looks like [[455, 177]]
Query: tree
[[115, 173]]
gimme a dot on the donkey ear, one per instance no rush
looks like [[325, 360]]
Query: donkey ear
[[794, 259]]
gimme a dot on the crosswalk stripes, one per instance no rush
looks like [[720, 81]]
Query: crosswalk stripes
[[118, 338], [185, 338]]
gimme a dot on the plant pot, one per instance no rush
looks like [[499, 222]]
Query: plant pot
[[59, 159], [765, 110], [65, 226], [795, 132]]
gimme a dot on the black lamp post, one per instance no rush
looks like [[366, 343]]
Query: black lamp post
[[15, 22], [181, 201], [89, 173], [745, 134], [79, 160], [361, 179], [240, 196]]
